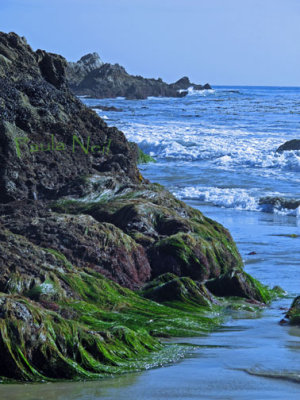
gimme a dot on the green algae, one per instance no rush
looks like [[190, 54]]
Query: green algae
[[99, 328], [85, 326], [294, 312], [265, 294], [144, 158]]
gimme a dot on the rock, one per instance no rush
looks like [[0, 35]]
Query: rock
[[52, 67], [99, 80], [169, 287], [293, 314], [184, 83], [74, 224], [279, 203], [241, 284], [289, 145], [38, 112], [101, 247], [78, 70], [177, 238], [107, 108], [236, 284]]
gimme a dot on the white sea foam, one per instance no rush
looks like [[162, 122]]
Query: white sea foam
[[192, 92], [204, 92], [226, 149], [237, 198], [240, 199], [100, 113]]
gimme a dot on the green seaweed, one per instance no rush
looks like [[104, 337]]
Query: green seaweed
[[144, 158]]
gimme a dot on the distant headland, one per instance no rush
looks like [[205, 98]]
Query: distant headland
[[90, 76]]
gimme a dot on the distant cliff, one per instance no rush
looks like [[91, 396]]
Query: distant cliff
[[91, 77]]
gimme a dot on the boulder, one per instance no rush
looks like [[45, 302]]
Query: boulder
[[169, 288], [279, 202], [293, 315], [289, 145], [39, 120]]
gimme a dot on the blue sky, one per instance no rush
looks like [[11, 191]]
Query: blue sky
[[233, 42]]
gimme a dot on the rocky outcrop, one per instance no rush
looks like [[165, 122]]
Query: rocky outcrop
[[107, 80], [289, 145], [279, 203], [107, 108], [39, 119], [76, 71], [80, 227], [293, 315]]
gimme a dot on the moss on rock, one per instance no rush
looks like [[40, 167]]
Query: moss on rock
[[293, 314]]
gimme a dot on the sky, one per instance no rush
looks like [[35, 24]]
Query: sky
[[223, 42]]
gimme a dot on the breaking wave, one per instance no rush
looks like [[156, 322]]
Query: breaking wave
[[241, 199]]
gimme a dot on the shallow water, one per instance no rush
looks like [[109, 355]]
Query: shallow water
[[216, 150]]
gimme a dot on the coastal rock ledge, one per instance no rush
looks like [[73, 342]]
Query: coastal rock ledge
[[96, 263], [91, 77]]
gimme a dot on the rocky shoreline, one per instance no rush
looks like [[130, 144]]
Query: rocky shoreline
[[91, 77], [96, 262]]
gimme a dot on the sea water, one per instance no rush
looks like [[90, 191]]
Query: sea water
[[216, 150]]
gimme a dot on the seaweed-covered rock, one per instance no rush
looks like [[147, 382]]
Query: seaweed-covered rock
[[238, 284], [178, 238], [293, 315], [85, 242], [74, 223], [168, 288]]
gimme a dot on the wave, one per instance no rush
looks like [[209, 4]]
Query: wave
[[292, 376], [241, 199], [288, 161], [203, 92], [225, 149]]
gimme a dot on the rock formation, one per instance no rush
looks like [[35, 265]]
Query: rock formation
[[76, 71], [289, 145], [90, 77], [293, 315], [80, 227], [279, 203]]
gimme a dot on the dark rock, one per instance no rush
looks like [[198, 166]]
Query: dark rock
[[107, 80], [279, 202], [178, 239], [106, 108], [74, 224], [229, 285], [37, 108], [78, 70], [240, 284], [169, 287], [289, 145], [101, 247], [52, 68], [293, 314], [184, 83]]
